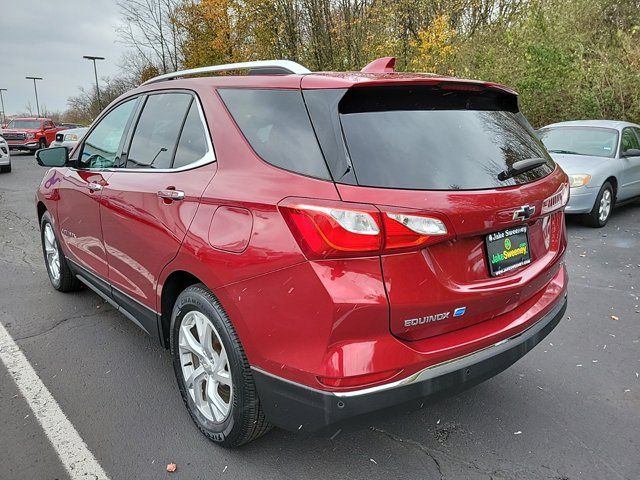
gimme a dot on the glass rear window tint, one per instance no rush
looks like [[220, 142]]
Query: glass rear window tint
[[193, 139], [277, 126], [426, 139]]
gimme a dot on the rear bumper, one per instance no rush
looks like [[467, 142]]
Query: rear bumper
[[296, 407]]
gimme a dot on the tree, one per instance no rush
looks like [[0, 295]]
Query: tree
[[84, 107], [150, 28]]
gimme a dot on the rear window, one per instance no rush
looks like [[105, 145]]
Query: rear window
[[277, 126], [430, 139]]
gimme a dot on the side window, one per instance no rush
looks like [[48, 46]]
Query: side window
[[156, 134], [629, 140], [192, 145], [101, 146], [277, 126]]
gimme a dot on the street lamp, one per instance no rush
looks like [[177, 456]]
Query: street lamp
[[95, 72], [36, 90], [4, 114]]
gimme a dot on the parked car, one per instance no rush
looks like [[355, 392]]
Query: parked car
[[602, 159], [313, 247], [69, 138], [71, 125], [29, 133], [5, 156]]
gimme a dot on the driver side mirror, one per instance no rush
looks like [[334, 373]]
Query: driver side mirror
[[53, 157], [632, 152]]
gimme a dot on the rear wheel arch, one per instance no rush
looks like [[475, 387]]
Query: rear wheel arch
[[175, 283]]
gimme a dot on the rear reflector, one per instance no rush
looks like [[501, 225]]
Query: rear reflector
[[358, 380], [331, 229]]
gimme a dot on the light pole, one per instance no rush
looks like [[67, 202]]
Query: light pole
[[36, 90], [4, 114], [95, 72]]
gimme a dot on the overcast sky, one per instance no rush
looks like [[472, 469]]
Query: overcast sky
[[47, 38]]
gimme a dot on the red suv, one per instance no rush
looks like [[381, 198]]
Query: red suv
[[313, 247]]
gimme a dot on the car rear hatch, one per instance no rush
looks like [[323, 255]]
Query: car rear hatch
[[462, 156]]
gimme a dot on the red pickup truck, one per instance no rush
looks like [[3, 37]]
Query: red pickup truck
[[30, 133]]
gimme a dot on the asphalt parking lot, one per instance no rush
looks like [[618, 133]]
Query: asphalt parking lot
[[568, 410]]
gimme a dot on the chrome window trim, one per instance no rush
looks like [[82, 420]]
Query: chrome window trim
[[208, 157]]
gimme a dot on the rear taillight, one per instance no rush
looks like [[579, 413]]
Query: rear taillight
[[327, 229], [556, 201], [404, 231]]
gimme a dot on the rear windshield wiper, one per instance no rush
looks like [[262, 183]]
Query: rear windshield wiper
[[521, 167]]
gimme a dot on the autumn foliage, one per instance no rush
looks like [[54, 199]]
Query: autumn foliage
[[567, 58]]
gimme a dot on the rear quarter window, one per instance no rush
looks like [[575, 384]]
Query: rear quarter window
[[277, 126]]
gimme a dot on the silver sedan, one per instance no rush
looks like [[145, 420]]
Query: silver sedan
[[602, 159]]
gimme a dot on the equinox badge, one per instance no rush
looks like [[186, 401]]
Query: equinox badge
[[412, 322]]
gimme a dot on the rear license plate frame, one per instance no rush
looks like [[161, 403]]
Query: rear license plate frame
[[508, 250]]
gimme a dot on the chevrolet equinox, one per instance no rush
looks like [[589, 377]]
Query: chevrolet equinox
[[313, 247]]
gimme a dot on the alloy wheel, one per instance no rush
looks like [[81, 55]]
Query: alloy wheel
[[52, 253], [205, 366], [605, 206]]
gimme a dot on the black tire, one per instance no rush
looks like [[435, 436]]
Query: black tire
[[66, 281], [42, 143], [594, 218], [5, 169], [245, 421]]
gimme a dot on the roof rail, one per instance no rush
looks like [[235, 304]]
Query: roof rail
[[269, 66]]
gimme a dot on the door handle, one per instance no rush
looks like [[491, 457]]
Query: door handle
[[94, 187], [171, 194]]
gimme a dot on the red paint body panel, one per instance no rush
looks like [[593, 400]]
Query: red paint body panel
[[300, 319], [142, 232], [455, 273], [78, 215], [230, 229]]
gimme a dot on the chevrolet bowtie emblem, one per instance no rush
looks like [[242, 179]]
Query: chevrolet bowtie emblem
[[523, 213]]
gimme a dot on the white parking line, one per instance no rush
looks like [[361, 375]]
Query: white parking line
[[73, 452]]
